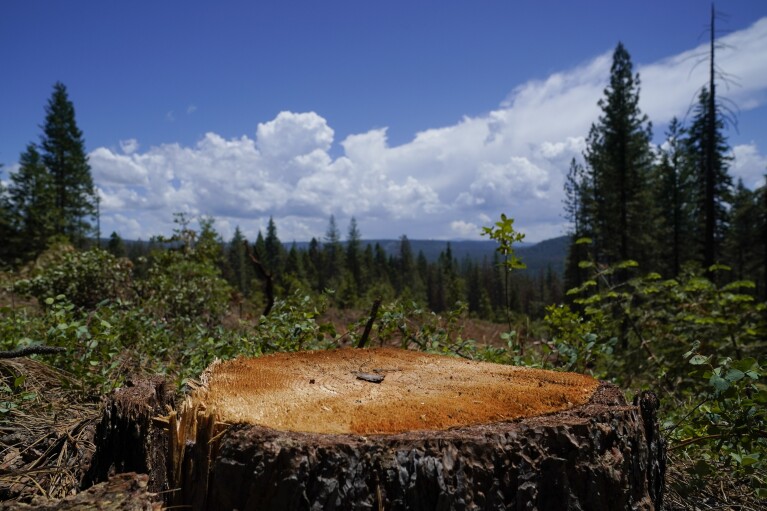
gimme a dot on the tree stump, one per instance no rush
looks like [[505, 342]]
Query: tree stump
[[388, 429]]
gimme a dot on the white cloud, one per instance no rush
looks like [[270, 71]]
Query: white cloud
[[749, 165], [129, 146], [291, 134], [464, 229], [191, 109], [512, 159]]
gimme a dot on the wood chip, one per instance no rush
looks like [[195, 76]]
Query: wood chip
[[372, 378]]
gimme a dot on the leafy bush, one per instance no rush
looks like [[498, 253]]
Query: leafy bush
[[184, 279], [85, 278], [699, 343]]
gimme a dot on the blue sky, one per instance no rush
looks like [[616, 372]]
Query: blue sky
[[420, 118]]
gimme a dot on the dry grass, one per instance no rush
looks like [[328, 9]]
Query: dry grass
[[45, 442], [720, 491]]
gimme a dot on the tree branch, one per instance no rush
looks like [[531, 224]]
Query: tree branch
[[31, 350]]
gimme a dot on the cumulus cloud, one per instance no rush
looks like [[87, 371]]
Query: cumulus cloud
[[446, 182], [749, 165], [464, 229]]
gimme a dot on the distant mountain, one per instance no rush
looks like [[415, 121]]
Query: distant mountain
[[537, 256]]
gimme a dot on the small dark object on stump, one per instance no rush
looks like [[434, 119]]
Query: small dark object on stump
[[372, 378]]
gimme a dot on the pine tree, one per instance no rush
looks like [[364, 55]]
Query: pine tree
[[240, 268], [618, 164], [63, 154], [315, 267], [274, 252], [353, 255], [7, 231], [116, 245], [579, 212], [762, 237], [31, 200], [672, 188], [742, 254], [333, 254], [710, 179]]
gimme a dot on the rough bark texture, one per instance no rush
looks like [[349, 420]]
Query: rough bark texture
[[125, 492], [604, 455], [129, 437], [599, 453]]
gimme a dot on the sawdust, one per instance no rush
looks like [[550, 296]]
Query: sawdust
[[336, 391]]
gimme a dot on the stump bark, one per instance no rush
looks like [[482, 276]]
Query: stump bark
[[389, 429]]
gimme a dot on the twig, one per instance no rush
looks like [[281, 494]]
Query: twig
[[369, 325], [31, 350]]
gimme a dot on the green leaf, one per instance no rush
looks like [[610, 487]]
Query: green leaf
[[749, 459], [630, 263], [719, 383], [734, 375], [744, 364], [699, 359]]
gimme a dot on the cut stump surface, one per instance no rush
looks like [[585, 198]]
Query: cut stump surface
[[382, 391], [401, 430]]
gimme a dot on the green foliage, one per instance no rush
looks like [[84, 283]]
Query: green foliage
[[13, 395], [504, 234], [700, 343], [85, 278], [576, 344], [31, 201], [185, 281]]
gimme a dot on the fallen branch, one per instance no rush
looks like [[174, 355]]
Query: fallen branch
[[31, 350]]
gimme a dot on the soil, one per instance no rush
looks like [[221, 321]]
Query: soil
[[338, 391]]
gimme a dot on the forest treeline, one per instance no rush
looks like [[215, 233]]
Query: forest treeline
[[354, 273], [662, 207]]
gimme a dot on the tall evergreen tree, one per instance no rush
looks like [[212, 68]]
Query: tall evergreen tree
[[712, 185], [7, 231], [333, 253], [672, 188], [32, 203], [618, 165], [742, 254], [241, 271], [354, 255], [315, 266], [63, 154], [274, 252], [579, 212], [116, 245]]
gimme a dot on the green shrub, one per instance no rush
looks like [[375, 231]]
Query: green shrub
[[85, 278]]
